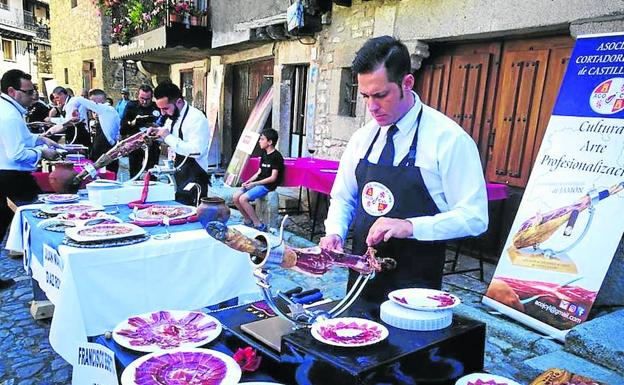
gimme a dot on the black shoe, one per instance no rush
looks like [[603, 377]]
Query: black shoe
[[6, 283]]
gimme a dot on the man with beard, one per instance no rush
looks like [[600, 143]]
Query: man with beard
[[186, 132], [408, 180], [141, 114], [74, 124], [20, 150]]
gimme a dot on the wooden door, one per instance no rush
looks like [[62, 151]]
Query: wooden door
[[247, 79], [516, 119], [432, 82], [531, 73]]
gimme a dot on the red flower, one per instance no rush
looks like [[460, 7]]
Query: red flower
[[247, 359]]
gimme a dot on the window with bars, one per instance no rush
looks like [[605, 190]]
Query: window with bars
[[74, 3], [4, 4], [348, 92]]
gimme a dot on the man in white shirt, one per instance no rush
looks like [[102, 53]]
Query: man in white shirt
[[106, 126], [74, 123], [408, 180], [187, 134], [20, 150]]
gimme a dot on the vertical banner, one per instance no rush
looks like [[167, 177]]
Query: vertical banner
[[251, 133], [570, 220], [213, 101], [95, 365]]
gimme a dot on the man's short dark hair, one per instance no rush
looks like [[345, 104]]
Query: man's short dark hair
[[59, 90], [13, 78], [168, 90], [386, 51], [271, 135], [97, 92], [146, 88]]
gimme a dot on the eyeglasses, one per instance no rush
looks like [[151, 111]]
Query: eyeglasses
[[29, 92]]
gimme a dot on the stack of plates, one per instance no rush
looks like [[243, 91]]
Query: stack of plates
[[419, 309]]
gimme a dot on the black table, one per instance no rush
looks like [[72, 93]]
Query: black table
[[405, 357]]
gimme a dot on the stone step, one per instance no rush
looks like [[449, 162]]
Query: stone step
[[533, 367], [600, 340]]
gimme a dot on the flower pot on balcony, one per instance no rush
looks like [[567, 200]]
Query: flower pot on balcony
[[175, 18]]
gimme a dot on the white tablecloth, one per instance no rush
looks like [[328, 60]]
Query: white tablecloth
[[102, 287]]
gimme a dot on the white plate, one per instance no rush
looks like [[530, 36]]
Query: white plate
[[61, 198], [100, 232], [473, 379], [349, 332], [145, 214], [232, 373], [424, 299], [70, 208], [156, 326]]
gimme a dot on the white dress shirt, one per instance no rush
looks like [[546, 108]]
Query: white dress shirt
[[195, 131], [107, 115], [18, 149], [449, 162], [82, 110]]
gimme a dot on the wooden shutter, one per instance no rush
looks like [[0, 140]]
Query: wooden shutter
[[466, 95], [433, 81], [531, 72]]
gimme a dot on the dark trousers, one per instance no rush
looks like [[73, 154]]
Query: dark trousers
[[135, 159], [100, 147], [18, 186]]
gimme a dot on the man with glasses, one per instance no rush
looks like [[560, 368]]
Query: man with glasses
[[140, 115], [20, 150], [186, 133]]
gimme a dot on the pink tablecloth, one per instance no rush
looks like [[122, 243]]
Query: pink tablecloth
[[44, 184], [319, 175]]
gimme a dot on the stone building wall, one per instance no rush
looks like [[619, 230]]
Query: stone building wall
[[79, 34]]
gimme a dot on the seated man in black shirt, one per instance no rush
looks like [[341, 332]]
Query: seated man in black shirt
[[267, 178], [139, 114]]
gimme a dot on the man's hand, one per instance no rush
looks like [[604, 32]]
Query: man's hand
[[48, 142], [55, 130], [385, 228], [247, 185], [331, 242], [157, 131], [49, 153]]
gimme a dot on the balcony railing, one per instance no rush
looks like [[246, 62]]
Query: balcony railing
[[19, 18]]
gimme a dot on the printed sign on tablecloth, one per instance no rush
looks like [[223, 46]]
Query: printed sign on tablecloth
[[53, 270], [565, 232], [95, 365]]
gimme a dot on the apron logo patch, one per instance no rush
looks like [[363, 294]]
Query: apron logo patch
[[377, 199]]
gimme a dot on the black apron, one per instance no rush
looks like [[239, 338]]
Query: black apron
[[190, 172], [419, 264], [101, 146], [77, 133]]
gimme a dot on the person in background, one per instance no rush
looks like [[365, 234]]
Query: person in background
[[408, 180], [55, 109], [266, 179], [70, 92], [141, 114], [75, 123], [106, 127], [123, 102], [20, 150], [187, 134], [38, 111], [110, 102]]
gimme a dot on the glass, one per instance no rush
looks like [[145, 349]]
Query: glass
[[29, 92]]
